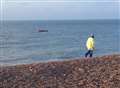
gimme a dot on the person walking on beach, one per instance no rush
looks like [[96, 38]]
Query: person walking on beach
[[90, 46]]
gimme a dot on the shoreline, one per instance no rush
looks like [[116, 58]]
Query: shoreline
[[96, 72], [4, 64]]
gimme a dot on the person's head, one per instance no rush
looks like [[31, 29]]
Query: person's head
[[92, 35]]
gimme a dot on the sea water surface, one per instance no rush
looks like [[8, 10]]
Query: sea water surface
[[21, 43]]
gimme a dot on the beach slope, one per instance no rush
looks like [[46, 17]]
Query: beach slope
[[97, 72]]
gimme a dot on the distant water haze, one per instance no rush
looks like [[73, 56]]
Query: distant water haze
[[59, 9]]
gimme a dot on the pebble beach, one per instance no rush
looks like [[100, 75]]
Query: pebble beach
[[97, 72]]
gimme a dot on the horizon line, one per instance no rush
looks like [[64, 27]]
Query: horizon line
[[58, 19], [59, 1]]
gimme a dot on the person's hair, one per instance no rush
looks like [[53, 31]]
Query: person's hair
[[92, 35]]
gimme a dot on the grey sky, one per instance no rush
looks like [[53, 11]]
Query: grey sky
[[59, 9]]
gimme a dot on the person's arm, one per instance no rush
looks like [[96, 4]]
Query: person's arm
[[92, 44]]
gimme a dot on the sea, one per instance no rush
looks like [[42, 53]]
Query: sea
[[22, 43]]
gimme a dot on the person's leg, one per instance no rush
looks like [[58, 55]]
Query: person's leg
[[91, 53], [88, 52]]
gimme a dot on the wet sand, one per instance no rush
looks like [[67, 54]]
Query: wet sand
[[97, 72]]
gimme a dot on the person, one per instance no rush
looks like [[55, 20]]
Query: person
[[90, 46]]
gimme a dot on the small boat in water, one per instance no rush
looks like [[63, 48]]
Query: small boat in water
[[42, 30]]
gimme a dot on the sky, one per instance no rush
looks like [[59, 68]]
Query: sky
[[59, 9]]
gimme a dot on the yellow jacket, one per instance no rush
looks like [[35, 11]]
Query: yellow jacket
[[90, 43]]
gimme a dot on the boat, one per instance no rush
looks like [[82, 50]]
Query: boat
[[42, 30]]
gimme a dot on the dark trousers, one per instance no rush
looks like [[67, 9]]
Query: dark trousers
[[89, 52]]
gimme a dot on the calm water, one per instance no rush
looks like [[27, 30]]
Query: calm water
[[20, 41]]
